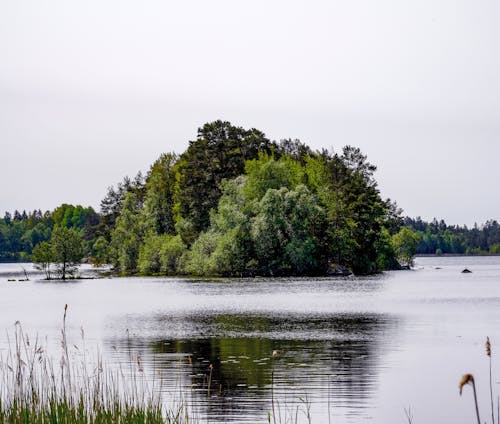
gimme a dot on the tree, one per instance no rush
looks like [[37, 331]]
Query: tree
[[231, 223], [128, 234], [219, 153], [356, 213], [287, 232], [159, 198], [161, 254], [42, 257], [101, 251], [67, 250], [405, 242], [198, 258], [112, 203], [266, 173]]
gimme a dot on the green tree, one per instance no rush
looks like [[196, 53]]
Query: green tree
[[219, 153], [197, 261], [112, 203], [356, 212], [225, 248], [42, 257], [266, 173], [161, 254], [149, 261], [287, 232], [405, 243], [128, 234], [67, 250], [172, 253], [101, 251], [159, 198], [387, 255]]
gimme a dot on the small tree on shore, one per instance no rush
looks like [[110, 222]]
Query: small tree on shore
[[42, 257], [67, 250]]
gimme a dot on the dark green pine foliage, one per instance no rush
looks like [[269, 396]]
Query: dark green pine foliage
[[113, 201], [219, 153], [356, 212], [364, 208]]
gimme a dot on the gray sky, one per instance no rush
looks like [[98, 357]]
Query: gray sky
[[93, 91]]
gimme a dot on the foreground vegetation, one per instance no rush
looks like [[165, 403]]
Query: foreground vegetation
[[36, 389]]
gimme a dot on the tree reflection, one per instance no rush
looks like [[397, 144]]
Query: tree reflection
[[326, 357]]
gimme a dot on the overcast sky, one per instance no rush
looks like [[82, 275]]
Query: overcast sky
[[92, 91]]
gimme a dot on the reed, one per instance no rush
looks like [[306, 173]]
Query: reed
[[273, 358], [34, 388], [488, 353], [469, 379]]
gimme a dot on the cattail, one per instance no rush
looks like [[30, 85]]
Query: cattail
[[488, 353], [466, 379]]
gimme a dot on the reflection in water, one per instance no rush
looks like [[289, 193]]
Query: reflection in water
[[226, 363]]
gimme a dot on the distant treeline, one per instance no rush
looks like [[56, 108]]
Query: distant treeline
[[437, 237], [20, 232]]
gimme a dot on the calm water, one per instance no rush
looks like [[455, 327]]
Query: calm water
[[351, 350]]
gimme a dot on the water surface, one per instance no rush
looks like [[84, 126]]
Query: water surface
[[349, 350]]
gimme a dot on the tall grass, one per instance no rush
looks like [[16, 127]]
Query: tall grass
[[35, 388]]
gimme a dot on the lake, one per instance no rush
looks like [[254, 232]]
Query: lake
[[348, 350]]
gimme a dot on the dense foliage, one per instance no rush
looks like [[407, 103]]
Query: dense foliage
[[236, 203]]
